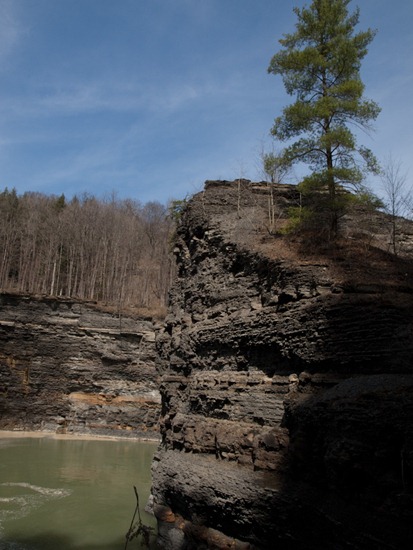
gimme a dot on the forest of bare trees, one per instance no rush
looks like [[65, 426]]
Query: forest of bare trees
[[111, 251]]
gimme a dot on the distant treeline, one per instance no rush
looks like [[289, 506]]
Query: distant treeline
[[112, 251]]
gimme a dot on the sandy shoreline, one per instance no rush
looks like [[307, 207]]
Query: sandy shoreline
[[6, 434]]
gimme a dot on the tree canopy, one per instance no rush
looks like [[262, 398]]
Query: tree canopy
[[112, 251], [320, 65]]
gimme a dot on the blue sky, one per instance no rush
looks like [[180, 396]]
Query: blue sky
[[149, 98]]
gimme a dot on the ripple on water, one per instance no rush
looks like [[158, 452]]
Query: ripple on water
[[4, 545], [22, 503]]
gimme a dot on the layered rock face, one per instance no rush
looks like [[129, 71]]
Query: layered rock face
[[287, 388], [67, 367]]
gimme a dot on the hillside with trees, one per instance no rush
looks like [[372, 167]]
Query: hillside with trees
[[108, 250]]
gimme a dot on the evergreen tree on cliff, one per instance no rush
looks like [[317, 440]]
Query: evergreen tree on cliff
[[320, 66]]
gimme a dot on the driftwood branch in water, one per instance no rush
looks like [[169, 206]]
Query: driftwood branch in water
[[139, 528]]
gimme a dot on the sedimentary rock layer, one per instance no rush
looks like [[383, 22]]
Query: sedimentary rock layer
[[67, 367], [287, 390]]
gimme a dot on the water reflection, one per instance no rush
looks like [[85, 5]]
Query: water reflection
[[71, 494]]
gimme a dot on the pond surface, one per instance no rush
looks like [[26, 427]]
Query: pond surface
[[67, 494]]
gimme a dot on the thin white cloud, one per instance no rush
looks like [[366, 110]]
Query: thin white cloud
[[186, 99], [62, 99], [10, 29]]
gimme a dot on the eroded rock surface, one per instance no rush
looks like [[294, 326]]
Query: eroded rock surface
[[287, 389], [67, 367]]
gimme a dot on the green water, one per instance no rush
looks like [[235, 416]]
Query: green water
[[64, 494]]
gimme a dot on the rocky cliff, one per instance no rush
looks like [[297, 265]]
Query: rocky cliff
[[287, 387], [67, 367]]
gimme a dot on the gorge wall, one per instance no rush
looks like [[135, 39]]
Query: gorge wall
[[67, 367], [287, 387]]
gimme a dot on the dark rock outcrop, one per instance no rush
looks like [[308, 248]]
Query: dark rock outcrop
[[67, 367], [287, 386]]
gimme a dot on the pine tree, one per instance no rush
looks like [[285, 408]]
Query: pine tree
[[320, 65]]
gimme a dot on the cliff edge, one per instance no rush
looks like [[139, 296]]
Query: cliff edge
[[68, 367], [287, 386]]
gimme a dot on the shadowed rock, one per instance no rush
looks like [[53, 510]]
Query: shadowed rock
[[287, 387]]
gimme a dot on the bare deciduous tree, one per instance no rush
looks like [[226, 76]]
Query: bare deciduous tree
[[113, 251], [398, 197], [275, 169]]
